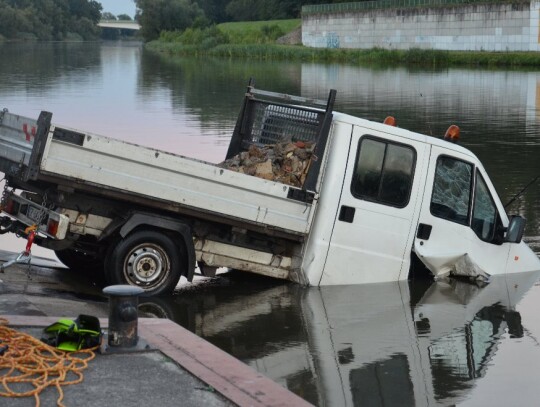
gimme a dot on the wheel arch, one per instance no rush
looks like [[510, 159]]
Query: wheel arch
[[182, 230]]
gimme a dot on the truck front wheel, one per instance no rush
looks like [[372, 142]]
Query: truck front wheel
[[147, 259]]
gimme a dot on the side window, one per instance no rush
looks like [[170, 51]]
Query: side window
[[485, 215], [451, 198], [383, 172]]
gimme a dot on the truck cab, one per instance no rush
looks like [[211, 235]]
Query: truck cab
[[392, 194]]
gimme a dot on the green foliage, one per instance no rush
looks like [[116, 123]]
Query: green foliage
[[214, 10], [156, 16], [494, 59], [416, 56], [170, 36], [375, 56], [21, 36], [86, 28], [263, 35], [256, 10], [89, 9], [285, 25], [73, 37], [197, 38], [218, 11], [49, 19], [201, 22], [165, 15], [272, 32], [249, 10], [236, 33], [108, 16], [124, 17], [258, 32]]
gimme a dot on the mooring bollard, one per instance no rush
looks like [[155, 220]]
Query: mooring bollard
[[123, 317]]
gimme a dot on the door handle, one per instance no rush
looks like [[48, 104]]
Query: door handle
[[424, 231], [346, 214]]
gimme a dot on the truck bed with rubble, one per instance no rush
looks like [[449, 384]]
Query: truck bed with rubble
[[265, 187]]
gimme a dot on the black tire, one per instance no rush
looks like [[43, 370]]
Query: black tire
[[146, 259], [75, 260]]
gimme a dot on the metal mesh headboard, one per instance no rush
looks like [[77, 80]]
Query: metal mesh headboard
[[270, 118], [275, 124]]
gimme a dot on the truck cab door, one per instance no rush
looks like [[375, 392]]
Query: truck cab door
[[378, 209], [460, 226]]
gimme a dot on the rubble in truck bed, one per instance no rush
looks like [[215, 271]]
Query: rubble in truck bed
[[287, 162]]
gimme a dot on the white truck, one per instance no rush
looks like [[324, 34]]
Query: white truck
[[374, 196]]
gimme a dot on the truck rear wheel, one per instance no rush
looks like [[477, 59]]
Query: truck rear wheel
[[146, 259]]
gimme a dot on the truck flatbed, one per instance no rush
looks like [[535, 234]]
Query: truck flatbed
[[41, 151]]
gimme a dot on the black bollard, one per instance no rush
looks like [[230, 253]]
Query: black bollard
[[123, 317]]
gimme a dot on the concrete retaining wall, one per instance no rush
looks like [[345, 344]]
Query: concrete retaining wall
[[489, 27]]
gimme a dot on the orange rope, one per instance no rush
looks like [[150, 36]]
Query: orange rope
[[37, 365]]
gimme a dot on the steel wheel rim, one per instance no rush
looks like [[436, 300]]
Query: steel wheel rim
[[146, 265]]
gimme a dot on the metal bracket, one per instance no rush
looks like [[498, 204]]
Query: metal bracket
[[24, 257]]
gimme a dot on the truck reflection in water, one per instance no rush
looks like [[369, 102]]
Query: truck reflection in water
[[391, 344]]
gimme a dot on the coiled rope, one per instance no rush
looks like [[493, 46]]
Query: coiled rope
[[29, 366]]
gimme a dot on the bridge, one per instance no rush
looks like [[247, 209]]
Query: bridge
[[120, 24]]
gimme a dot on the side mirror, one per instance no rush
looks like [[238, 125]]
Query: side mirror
[[515, 229]]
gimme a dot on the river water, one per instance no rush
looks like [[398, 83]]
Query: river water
[[446, 343]]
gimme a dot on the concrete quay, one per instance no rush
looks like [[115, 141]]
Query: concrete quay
[[176, 368]]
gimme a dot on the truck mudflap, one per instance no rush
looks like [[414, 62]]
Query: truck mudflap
[[46, 221], [455, 264]]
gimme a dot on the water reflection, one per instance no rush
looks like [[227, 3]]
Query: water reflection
[[210, 90], [382, 344], [38, 69]]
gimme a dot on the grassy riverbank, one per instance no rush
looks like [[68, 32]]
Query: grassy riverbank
[[257, 40]]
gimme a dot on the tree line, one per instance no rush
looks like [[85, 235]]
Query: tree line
[[50, 19], [77, 19], [110, 16], [177, 15]]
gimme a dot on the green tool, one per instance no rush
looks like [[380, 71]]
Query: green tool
[[73, 335]]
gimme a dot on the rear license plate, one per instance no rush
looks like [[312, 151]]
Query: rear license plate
[[33, 213]]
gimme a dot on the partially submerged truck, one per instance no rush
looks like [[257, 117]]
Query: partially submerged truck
[[373, 197]]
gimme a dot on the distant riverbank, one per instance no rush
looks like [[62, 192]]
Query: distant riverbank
[[376, 55], [257, 40]]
